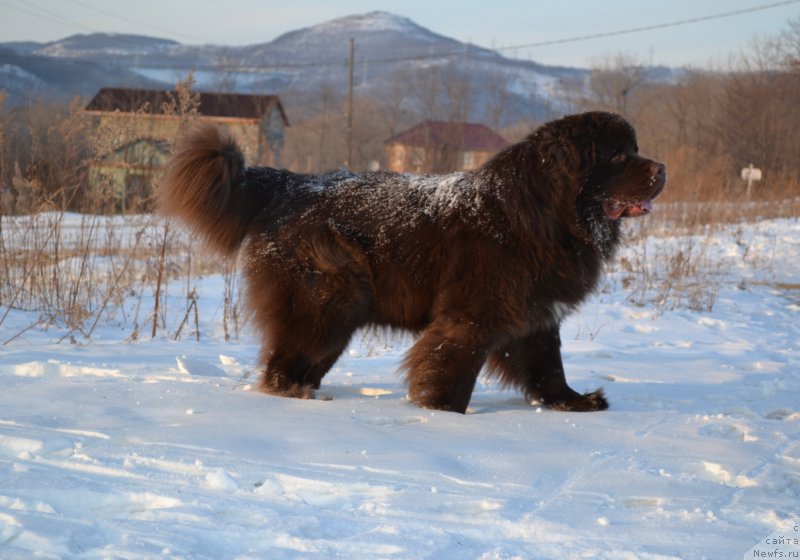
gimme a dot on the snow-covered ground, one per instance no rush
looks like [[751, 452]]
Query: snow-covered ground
[[158, 448]]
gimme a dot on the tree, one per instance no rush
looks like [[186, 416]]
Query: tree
[[497, 104], [614, 82], [225, 73]]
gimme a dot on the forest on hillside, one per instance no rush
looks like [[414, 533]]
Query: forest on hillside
[[706, 125]]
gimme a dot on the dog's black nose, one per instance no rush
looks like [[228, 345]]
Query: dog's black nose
[[657, 169]]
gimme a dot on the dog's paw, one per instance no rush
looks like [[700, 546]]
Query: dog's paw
[[588, 402], [434, 401], [282, 388]]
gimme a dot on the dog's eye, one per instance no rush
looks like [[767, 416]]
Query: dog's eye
[[619, 157]]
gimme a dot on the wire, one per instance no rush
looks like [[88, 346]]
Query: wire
[[45, 14], [649, 27], [465, 50], [52, 16], [49, 15], [135, 22]]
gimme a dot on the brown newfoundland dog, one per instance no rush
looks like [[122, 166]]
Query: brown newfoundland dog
[[483, 266]]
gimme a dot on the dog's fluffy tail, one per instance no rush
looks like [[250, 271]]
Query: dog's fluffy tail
[[200, 187]]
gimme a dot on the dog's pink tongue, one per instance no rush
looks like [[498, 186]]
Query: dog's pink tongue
[[615, 209], [639, 209]]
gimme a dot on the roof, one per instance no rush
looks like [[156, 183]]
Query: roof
[[231, 105], [467, 136]]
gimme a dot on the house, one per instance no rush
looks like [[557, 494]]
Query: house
[[257, 122], [128, 172], [441, 147]]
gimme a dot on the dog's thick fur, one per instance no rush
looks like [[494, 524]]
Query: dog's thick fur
[[482, 265]]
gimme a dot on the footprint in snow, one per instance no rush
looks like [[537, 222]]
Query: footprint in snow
[[388, 421], [783, 414], [728, 431], [194, 366], [713, 323]]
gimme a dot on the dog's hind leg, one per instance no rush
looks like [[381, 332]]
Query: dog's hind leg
[[292, 371], [304, 340], [444, 363], [310, 308], [285, 373], [317, 371]]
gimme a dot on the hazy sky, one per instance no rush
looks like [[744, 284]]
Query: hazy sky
[[489, 23]]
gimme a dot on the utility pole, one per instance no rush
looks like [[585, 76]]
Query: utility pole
[[349, 161]]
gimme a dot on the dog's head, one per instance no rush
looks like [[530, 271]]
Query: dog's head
[[599, 152]]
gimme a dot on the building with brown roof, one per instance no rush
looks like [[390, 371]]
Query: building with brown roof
[[257, 122], [442, 147]]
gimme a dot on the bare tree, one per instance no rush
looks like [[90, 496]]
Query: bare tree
[[790, 45], [225, 72], [426, 87], [457, 96], [614, 82], [760, 110], [5, 176], [499, 97]]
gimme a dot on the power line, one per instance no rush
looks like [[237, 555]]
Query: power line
[[630, 30], [52, 16], [46, 15], [55, 17], [463, 52], [135, 22]]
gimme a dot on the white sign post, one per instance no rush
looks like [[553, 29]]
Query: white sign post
[[751, 174]]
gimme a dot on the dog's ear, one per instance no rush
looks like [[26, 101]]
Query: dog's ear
[[573, 142], [568, 146]]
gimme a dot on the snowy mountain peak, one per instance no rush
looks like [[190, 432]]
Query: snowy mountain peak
[[370, 26], [371, 22], [298, 61]]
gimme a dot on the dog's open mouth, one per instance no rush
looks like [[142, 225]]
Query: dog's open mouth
[[616, 209]]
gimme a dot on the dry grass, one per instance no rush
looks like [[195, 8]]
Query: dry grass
[[73, 266], [675, 264], [74, 271], [673, 275]]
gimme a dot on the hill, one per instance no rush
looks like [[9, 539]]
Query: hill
[[389, 48]]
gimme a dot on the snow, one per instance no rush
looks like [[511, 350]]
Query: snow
[[12, 71], [373, 22], [160, 448], [209, 80], [113, 44], [15, 78]]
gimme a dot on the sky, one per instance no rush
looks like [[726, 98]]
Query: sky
[[492, 24]]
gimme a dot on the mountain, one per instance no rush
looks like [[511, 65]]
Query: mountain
[[76, 65], [388, 49], [391, 52], [27, 77], [21, 47], [378, 34], [105, 46]]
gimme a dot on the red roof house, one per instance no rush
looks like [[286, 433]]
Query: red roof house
[[441, 147]]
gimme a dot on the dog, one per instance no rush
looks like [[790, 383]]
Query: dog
[[482, 266]]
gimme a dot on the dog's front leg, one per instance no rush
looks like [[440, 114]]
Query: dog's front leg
[[533, 364]]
